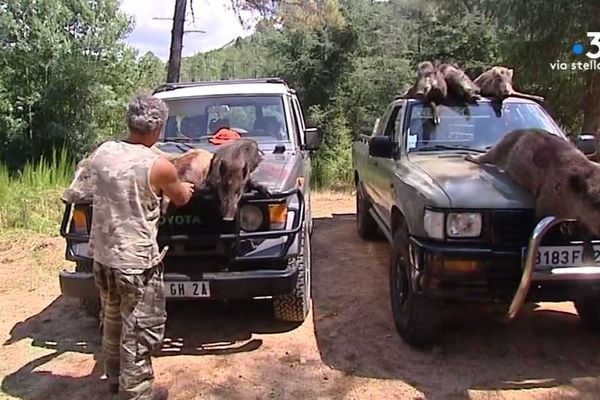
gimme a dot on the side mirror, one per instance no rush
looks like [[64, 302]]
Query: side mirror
[[586, 143], [312, 137], [381, 146]]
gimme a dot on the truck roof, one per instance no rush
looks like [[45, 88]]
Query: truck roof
[[225, 87], [511, 99]]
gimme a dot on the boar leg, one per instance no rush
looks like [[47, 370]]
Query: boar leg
[[435, 113], [261, 189], [588, 249], [537, 99]]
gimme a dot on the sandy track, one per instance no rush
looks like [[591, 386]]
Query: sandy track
[[347, 349]]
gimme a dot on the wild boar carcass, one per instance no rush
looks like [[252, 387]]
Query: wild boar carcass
[[563, 181], [230, 171]]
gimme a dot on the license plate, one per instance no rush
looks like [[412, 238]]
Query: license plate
[[187, 289], [560, 256]]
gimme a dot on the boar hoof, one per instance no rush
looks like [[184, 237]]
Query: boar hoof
[[472, 158]]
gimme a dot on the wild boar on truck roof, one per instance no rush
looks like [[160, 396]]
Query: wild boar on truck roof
[[430, 86], [498, 82], [459, 84], [230, 171]]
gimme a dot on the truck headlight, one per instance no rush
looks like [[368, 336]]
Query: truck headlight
[[463, 225], [251, 218], [433, 222]]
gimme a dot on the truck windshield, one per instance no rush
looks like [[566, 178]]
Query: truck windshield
[[261, 118], [478, 126]]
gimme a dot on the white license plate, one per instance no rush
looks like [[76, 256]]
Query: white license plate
[[187, 289], [561, 256]]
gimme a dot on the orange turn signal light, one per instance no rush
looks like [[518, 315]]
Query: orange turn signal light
[[278, 213], [80, 220], [460, 266]]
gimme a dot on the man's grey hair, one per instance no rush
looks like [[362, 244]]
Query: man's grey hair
[[146, 113]]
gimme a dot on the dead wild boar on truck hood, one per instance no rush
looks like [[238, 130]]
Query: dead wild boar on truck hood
[[192, 166], [230, 171], [563, 181]]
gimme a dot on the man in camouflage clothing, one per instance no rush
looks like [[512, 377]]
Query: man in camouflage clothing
[[128, 180]]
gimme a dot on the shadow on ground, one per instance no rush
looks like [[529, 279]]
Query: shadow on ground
[[356, 334], [65, 331]]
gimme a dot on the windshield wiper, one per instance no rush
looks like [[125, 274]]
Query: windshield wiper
[[449, 147], [180, 145]]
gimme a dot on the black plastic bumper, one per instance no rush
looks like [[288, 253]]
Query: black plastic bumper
[[495, 278], [222, 285]]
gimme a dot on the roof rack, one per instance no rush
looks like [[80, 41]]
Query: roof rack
[[179, 85]]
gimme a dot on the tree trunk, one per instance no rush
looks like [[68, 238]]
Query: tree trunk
[[591, 110], [176, 41], [591, 104]]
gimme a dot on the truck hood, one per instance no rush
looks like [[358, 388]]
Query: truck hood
[[278, 172], [462, 184]]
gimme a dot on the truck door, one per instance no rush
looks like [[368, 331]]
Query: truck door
[[383, 168], [301, 126]]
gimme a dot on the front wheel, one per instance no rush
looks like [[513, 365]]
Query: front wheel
[[416, 315], [294, 307], [91, 305], [588, 309]]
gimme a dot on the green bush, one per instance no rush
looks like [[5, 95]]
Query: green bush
[[333, 162]]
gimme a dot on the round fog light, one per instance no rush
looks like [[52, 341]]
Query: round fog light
[[251, 218]]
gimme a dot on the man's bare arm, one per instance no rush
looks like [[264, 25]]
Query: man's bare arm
[[164, 177]]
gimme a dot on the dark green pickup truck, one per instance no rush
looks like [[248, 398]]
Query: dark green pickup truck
[[459, 231]]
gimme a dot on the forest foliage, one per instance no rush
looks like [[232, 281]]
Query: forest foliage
[[66, 74]]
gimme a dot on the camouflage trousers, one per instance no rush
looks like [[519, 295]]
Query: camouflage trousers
[[133, 321]]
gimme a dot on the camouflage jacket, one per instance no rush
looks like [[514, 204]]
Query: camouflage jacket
[[125, 208]]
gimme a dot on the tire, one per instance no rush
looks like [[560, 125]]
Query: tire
[[294, 307], [91, 306], [588, 309], [365, 224], [416, 315]]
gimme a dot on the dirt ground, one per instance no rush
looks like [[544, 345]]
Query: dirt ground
[[348, 347]]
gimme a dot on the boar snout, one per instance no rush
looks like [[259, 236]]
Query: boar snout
[[229, 205]]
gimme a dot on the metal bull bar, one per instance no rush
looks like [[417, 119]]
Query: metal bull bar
[[236, 236], [529, 275]]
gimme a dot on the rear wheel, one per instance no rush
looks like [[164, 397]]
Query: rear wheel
[[91, 305], [365, 224], [416, 315], [294, 307], [588, 309]]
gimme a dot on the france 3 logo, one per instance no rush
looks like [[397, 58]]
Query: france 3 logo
[[578, 48]]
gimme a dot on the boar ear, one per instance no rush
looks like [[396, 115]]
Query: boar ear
[[593, 186], [578, 183], [510, 73], [588, 183]]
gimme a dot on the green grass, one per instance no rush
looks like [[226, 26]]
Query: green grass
[[30, 199]]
